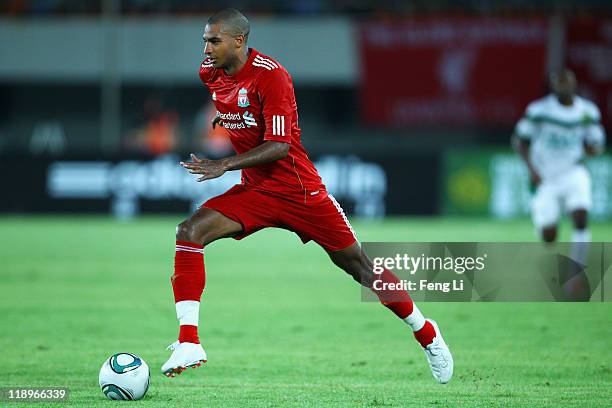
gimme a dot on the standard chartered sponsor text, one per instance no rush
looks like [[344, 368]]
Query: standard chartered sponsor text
[[229, 116]]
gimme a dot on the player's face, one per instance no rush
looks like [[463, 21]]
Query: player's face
[[219, 46], [564, 84]]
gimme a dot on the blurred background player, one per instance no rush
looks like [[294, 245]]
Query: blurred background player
[[552, 138], [280, 188]]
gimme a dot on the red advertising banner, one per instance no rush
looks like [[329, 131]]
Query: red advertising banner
[[589, 53], [459, 71]]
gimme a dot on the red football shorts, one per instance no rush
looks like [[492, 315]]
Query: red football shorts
[[317, 217]]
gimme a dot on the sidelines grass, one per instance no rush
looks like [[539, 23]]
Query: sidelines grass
[[280, 324]]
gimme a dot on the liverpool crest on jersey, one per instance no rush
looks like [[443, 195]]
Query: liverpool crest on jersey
[[243, 98]]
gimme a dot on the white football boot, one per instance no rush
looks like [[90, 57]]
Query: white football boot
[[183, 355], [439, 357]]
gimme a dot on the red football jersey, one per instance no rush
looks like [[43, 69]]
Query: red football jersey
[[258, 104]]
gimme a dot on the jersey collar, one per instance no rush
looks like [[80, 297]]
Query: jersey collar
[[558, 104], [246, 68]]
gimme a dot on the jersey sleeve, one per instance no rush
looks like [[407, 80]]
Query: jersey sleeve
[[526, 127], [276, 94], [207, 71], [594, 132]]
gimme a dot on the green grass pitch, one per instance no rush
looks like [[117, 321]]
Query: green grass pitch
[[281, 325]]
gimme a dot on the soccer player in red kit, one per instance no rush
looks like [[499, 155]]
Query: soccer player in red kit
[[280, 188]]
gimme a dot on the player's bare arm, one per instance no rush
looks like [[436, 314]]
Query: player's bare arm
[[522, 147], [266, 152]]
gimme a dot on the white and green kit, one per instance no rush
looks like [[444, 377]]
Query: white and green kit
[[558, 134]]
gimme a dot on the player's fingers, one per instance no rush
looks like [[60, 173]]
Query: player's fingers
[[190, 165], [193, 169], [198, 165], [195, 158], [207, 176], [197, 171]]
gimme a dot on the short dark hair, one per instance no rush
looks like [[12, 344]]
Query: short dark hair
[[233, 21]]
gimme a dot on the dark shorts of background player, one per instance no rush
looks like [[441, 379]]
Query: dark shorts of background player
[[312, 216]]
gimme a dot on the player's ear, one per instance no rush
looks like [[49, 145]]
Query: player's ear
[[240, 40]]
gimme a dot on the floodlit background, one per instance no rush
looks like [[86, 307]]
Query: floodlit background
[[407, 109]]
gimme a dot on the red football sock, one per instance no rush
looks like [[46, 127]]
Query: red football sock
[[426, 335], [400, 303], [398, 300], [188, 283], [188, 334], [189, 277]]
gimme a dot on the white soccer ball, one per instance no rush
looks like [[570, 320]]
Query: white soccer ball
[[124, 376]]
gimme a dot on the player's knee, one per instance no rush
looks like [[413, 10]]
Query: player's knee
[[186, 231]]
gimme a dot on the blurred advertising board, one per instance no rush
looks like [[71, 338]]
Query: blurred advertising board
[[367, 187], [440, 71], [589, 53], [496, 183]]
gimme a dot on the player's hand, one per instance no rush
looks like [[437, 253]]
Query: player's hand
[[209, 169], [216, 121]]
